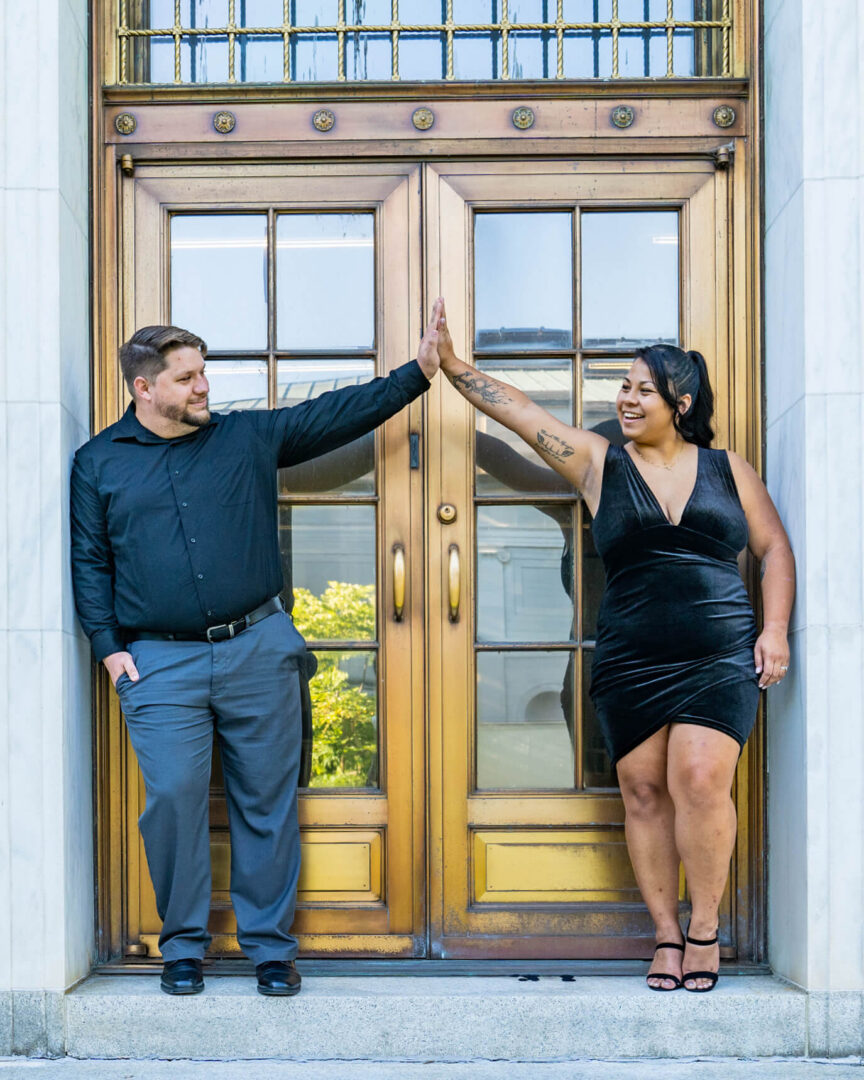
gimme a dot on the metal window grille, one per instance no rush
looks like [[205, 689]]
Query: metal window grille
[[612, 42]]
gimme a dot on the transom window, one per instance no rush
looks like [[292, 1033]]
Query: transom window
[[287, 41]]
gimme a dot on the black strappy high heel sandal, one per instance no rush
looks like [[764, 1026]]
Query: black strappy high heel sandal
[[712, 975], [661, 975]]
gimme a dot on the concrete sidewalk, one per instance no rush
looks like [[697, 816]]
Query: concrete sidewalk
[[775, 1069]]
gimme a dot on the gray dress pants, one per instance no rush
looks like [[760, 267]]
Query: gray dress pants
[[245, 692]]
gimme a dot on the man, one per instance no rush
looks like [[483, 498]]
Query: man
[[176, 570]]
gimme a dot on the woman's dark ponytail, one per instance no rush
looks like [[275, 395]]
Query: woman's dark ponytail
[[676, 373], [695, 424]]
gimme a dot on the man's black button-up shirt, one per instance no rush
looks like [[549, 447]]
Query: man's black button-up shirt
[[175, 535]]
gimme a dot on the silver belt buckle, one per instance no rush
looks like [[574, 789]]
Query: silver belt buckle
[[221, 626]]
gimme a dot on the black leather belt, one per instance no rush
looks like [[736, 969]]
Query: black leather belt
[[222, 632]]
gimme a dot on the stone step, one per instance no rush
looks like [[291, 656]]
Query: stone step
[[413, 1018], [642, 1069]]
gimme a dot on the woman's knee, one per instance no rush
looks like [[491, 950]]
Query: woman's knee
[[644, 797], [700, 784]]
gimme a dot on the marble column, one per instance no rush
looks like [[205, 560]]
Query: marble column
[[814, 298], [46, 822]]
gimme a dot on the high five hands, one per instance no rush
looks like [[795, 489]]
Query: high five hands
[[427, 354], [436, 345]]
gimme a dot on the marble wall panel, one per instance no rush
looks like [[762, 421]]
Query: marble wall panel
[[46, 862], [832, 268], [786, 455], [784, 308], [831, 117], [815, 468], [783, 59], [788, 916]]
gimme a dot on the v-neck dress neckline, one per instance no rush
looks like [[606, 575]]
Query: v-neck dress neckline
[[651, 494]]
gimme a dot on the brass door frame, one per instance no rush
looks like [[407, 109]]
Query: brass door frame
[[572, 120]]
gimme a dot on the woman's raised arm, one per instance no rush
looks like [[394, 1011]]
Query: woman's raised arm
[[577, 455]]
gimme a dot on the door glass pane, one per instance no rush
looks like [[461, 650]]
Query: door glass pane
[[528, 57], [593, 580], [351, 468], [642, 10], [477, 56], [314, 57], [506, 463], [524, 573], [219, 278], [601, 381], [259, 13], [523, 280], [344, 695], [524, 720], [642, 53], [328, 561], [314, 12], [587, 10], [370, 12], [237, 384], [258, 58], [325, 281], [629, 278], [469, 12], [369, 56], [420, 12], [421, 56], [597, 768]]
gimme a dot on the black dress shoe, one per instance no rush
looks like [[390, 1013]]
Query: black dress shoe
[[278, 978], [182, 977]]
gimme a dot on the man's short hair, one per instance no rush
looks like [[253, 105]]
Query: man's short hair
[[144, 353]]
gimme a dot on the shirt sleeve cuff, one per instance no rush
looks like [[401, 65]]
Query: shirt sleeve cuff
[[106, 642], [412, 379]]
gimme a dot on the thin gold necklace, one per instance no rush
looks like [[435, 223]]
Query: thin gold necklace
[[658, 464]]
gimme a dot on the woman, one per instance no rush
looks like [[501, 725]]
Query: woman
[[678, 664]]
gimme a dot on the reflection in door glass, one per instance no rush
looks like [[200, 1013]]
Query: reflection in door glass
[[237, 384], [593, 580], [328, 563], [524, 573], [325, 281], [629, 278], [523, 281], [219, 278], [596, 766], [344, 695], [601, 381], [348, 469], [524, 720], [505, 463]]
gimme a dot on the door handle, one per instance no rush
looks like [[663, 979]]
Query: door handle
[[454, 582], [398, 581]]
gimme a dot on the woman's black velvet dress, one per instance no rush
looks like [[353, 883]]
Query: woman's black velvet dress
[[676, 631]]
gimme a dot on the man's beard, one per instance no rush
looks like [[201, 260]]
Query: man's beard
[[182, 415]]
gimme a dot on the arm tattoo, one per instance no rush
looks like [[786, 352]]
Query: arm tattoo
[[485, 389], [553, 446]]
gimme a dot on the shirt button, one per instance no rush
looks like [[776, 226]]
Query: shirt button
[[192, 540], [200, 577], [176, 472], [209, 612], [184, 504]]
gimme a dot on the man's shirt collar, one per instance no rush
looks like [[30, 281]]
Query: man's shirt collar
[[129, 428]]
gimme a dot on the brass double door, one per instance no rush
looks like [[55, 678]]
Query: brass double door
[[460, 803]]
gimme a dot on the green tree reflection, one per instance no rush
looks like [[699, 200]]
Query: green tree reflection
[[345, 742]]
